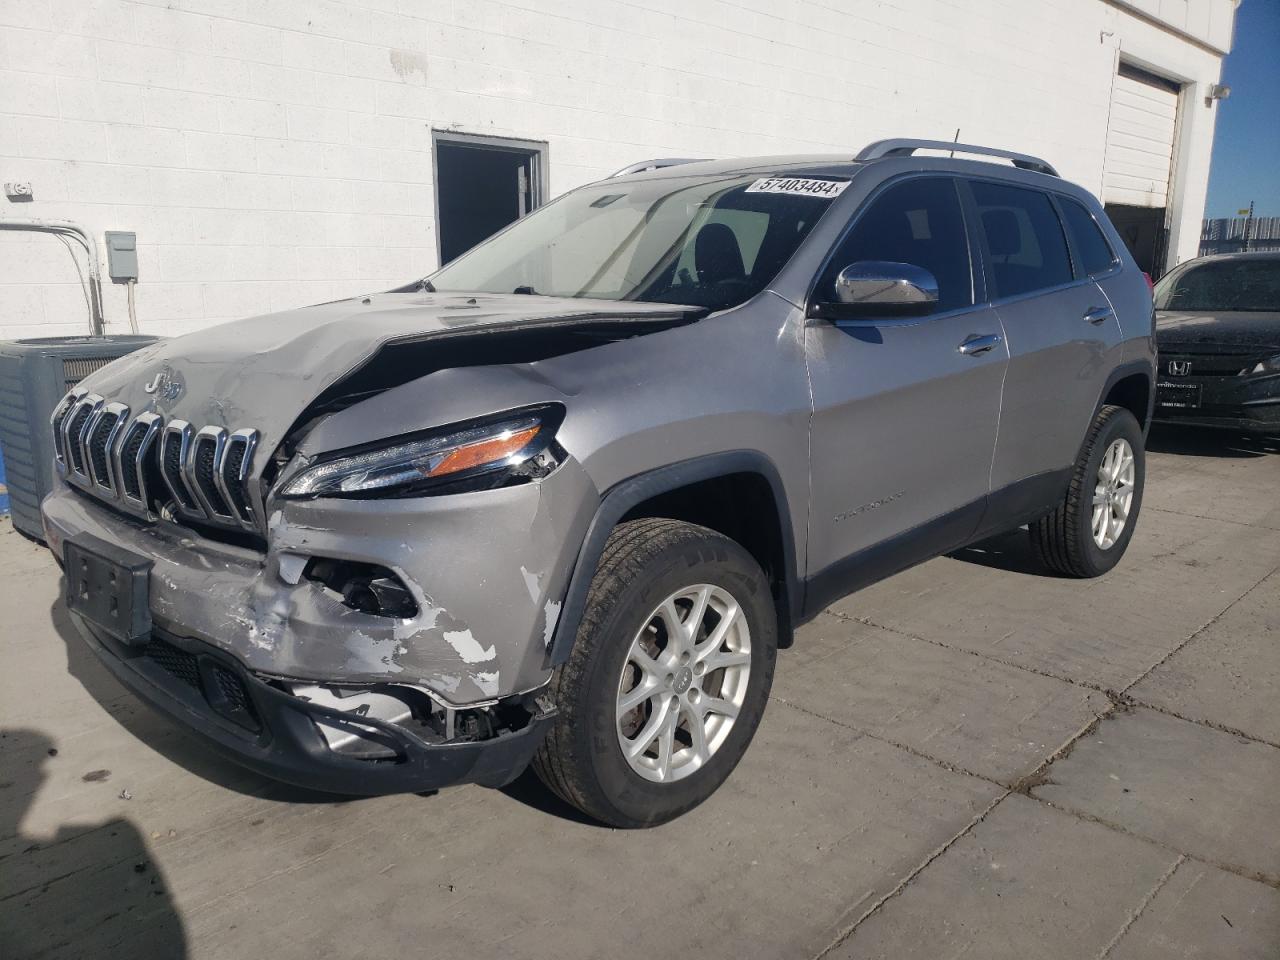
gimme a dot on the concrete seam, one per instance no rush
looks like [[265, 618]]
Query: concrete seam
[[1083, 684], [1199, 722], [936, 761], [1257, 876], [1199, 630], [902, 884], [1086, 684], [1146, 902], [1201, 516]]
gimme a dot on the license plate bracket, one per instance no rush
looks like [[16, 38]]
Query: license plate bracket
[[109, 587], [1179, 396]]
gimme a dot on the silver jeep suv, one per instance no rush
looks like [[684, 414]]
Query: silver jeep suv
[[562, 501]]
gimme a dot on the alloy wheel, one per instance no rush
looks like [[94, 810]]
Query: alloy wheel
[[1113, 494], [683, 683]]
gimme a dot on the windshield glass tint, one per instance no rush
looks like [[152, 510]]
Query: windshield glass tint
[[1222, 285], [705, 243]]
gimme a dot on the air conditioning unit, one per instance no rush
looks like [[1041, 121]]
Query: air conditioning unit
[[34, 376]]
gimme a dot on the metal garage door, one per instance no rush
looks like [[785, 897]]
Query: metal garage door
[[1144, 114]]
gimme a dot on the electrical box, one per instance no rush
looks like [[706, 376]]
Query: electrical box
[[122, 255]]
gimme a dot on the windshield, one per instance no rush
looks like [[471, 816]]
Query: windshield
[[1222, 285], [705, 243]]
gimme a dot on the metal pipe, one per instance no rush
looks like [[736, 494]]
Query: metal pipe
[[67, 228]]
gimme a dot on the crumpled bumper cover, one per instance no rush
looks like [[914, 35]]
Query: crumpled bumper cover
[[274, 733], [487, 570]]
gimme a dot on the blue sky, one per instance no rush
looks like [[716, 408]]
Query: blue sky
[[1246, 146]]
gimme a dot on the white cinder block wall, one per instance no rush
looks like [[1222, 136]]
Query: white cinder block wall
[[272, 153]]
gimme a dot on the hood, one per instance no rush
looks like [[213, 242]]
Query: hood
[[1240, 331], [264, 372]]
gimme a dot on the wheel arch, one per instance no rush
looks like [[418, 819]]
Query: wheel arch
[[686, 489], [1132, 386]]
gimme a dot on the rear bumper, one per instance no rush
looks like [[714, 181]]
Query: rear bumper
[[274, 733]]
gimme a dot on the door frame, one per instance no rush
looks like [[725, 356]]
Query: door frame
[[537, 151]]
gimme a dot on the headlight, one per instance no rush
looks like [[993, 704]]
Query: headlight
[[1270, 365], [520, 446]]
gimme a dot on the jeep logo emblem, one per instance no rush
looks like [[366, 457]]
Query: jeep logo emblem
[[1179, 368], [165, 386]]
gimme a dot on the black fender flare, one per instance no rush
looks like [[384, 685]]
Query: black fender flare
[[625, 495], [1147, 368]]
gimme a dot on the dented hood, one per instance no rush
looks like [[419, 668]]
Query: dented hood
[[263, 372]]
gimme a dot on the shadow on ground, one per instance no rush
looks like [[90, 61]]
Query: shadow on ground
[[1007, 551], [96, 883], [532, 792]]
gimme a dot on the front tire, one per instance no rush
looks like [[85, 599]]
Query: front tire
[[669, 675], [1089, 531]]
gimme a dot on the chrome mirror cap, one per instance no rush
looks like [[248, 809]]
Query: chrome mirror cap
[[881, 283]]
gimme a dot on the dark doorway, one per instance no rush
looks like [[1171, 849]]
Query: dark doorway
[[483, 184], [1143, 231]]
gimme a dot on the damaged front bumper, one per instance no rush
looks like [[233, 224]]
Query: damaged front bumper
[[484, 574], [263, 726], [269, 658]]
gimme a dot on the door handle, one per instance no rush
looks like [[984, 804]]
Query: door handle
[[1096, 315], [979, 344]]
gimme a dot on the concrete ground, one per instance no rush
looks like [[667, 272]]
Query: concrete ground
[[971, 759]]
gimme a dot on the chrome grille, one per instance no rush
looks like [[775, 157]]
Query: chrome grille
[[175, 451], [103, 434], [74, 429], [144, 463], [234, 475], [207, 454], [56, 421], [1210, 364], [133, 452]]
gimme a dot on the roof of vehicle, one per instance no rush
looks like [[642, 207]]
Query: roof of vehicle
[[1238, 255], [833, 164]]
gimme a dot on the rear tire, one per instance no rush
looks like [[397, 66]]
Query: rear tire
[[1089, 531], [682, 682]]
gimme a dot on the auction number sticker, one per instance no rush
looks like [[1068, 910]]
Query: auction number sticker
[[799, 186]]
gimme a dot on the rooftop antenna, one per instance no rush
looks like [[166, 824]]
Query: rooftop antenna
[[955, 139]]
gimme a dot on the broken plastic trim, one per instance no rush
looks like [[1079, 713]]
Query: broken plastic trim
[[411, 708], [534, 460], [365, 587]]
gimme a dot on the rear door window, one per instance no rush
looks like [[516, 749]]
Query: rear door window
[[1025, 242], [1090, 245], [918, 221]]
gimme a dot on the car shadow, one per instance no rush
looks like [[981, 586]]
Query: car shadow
[[1009, 551], [532, 792], [1206, 442], [163, 736], [88, 890]]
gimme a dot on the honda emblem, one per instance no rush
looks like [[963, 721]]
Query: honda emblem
[[1179, 368]]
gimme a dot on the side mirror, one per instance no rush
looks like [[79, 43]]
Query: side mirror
[[880, 288]]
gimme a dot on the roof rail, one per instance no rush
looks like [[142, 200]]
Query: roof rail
[[658, 164], [906, 147]]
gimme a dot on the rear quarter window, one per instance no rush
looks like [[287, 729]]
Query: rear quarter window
[[1024, 237], [1095, 254]]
